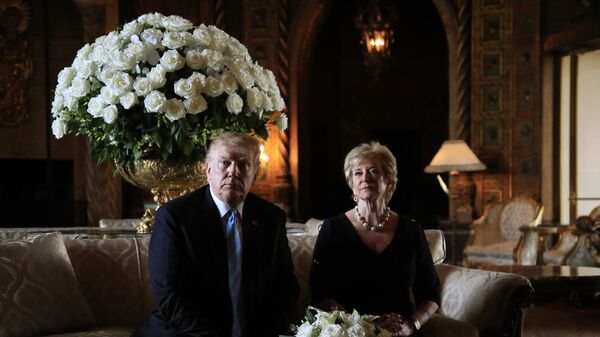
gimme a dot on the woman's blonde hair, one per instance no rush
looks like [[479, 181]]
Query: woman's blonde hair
[[386, 159]]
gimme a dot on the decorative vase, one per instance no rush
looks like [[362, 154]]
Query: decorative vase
[[165, 181]]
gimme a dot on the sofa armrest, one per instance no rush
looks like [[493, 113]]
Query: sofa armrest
[[442, 326], [494, 302]]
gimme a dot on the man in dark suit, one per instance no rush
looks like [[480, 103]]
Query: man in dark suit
[[219, 259]]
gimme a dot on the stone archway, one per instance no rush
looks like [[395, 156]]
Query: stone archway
[[455, 17]]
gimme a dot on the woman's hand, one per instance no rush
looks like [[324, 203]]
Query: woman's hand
[[396, 324]]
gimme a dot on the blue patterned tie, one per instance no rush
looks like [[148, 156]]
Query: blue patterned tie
[[234, 259]]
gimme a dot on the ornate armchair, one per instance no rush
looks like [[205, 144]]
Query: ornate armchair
[[579, 245], [495, 237]]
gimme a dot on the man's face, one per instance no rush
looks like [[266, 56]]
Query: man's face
[[231, 173]]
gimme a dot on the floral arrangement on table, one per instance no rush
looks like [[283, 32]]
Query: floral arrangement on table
[[160, 88], [319, 323]]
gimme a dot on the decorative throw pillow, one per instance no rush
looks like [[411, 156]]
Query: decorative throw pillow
[[39, 294]]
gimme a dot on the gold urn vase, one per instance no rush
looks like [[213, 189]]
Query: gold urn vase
[[165, 181]]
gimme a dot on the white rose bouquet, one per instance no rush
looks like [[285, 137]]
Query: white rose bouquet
[[160, 88], [319, 323]]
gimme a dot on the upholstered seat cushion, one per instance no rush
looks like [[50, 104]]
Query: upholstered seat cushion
[[39, 294], [498, 253]]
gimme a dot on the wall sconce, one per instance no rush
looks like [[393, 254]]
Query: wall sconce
[[375, 23]]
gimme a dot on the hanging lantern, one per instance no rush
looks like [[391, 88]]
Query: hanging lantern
[[375, 23]]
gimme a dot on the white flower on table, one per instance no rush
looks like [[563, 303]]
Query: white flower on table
[[213, 86], [110, 113], [128, 100], [184, 87], [195, 104], [171, 60]]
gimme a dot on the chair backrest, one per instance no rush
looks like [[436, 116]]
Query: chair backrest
[[520, 211], [595, 213]]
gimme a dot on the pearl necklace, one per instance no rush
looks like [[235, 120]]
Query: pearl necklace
[[371, 228]]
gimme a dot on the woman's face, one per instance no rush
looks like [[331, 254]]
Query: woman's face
[[368, 180]]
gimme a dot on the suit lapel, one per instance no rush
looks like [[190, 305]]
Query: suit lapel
[[215, 237]]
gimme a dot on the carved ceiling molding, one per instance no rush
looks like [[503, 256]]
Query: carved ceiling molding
[[15, 62]]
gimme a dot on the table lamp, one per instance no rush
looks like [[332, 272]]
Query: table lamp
[[454, 156]]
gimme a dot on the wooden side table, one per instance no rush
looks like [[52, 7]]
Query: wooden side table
[[575, 285]]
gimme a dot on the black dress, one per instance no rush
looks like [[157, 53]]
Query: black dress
[[346, 270]]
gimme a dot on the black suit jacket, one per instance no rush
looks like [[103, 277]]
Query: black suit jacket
[[188, 270]]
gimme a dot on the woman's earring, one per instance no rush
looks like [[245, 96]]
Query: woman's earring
[[355, 198]]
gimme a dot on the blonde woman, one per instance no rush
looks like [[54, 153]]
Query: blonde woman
[[371, 258]]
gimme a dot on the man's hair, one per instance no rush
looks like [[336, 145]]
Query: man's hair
[[386, 159], [249, 144]]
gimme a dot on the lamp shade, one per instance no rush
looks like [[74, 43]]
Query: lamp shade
[[454, 156]]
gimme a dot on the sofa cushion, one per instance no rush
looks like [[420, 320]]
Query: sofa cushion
[[114, 271], [39, 293]]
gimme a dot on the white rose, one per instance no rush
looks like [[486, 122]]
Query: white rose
[[331, 330], [174, 40], [195, 104], [245, 79], [254, 98], [151, 55], [79, 87], [107, 74], [238, 50], [57, 104], [184, 87], [112, 41], [174, 109], [155, 101], [128, 100], [172, 60], [198, 81], [305, 330], [142, 86], [234, 103], [219, 40], [195, 59], [123, 60], [110, 113], [229, 83], [137, 50], [278, 102], [152, 36], [157, 76], [214, 59], [176, 23], [59, 128], [153, 19], [213, 87], [65, 76], [95, 106], [282, 122], [85, 52], [132, 28], [267, 102], [99, 55], [86, 69], [121, 83], [356, 331], [108, 95], [70, 102], [202, 36], [260, 77]]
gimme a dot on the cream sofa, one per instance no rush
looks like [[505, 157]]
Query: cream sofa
[[92, 285]]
